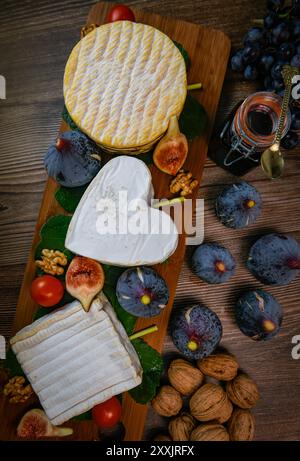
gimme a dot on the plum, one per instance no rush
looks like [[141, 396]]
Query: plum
[[213, 263], [258, 315], [274, 259], [73, 160], [196, 331], [238, 205], [142, 292]]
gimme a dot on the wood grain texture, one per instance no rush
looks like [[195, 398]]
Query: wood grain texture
[[35, 38], [209, 52]]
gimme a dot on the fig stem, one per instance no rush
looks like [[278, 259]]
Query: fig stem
[[194, 86], [169, 202], [145, 331]]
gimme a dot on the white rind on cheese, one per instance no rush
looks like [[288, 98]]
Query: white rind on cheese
[[75, 360], [131, 175], [122, 84]]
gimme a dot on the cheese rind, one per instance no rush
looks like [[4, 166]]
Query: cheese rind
[[108, 234], [123, 82], [75, 360]]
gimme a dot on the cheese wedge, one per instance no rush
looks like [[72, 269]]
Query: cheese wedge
[[122, 83], [75, 360], [123, 191]]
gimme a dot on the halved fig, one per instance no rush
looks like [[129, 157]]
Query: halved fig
[[171, 151], [35, 424], [84, 280]]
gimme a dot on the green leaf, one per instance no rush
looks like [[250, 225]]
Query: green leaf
[[41, 312], [12, 364], [184, 53], [193, 118], [83, 417], [67, 118], [53, 235], [152, 365], [128, 321], [69, 197], [147, 157]]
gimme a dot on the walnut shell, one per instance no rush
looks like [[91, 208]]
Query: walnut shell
[[181, 427], [168, 401], [241, 425], [184, 377], [210, 402], [223, 367], [162, 438], [225, 412], [209, 433], [243, 391]]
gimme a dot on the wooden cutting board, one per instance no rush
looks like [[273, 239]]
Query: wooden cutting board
[[209, 52]]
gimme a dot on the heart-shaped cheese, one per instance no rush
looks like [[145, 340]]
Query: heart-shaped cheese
[[114, 222]]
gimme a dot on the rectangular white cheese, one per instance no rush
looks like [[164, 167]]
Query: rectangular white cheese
[[76, 359]]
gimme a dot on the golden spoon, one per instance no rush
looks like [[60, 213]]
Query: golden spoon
[[272, 161]]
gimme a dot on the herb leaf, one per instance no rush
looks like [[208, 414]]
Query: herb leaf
[[193, 118], [53, 235], [128, 321], [152, 365], [184, 53], [67, 118], [69, 197], [12, 364]]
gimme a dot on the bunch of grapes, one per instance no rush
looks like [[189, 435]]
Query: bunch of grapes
[[266, 50]]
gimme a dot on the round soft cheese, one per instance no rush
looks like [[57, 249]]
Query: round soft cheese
[[122, 83]]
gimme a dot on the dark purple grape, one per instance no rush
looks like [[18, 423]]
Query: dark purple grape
[[255, 35], [295, 124], [278, 85], [266, 61], [275, 4], [286, 51], [296, 28], [268, 83], [297, 46], [296, 9], [281, 33], [250, 54], [271, 20], [276, 71], [250, 72], [290, 141], [295, 61], [237, 62]]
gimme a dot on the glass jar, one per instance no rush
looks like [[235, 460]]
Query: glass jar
[[249, 130]]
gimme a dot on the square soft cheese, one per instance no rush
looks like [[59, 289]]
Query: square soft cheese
[[76, 359]]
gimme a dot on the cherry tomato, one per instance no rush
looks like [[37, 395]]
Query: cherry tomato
[[119, 13], [46, 290], [107, 414]]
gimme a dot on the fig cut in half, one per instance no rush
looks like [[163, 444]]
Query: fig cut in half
[[171, 151], [35, 424], [84, 280]]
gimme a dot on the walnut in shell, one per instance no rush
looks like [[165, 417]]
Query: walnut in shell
[[209, 433], [184, 377], [168, 401], [181, 427], [241, 425], [243, 391], [210, 402], [221, 366]]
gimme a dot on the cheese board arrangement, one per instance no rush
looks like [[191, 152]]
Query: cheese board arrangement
[[140, 97], [130, 123]]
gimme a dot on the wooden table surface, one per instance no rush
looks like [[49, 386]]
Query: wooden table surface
[[36, 37]]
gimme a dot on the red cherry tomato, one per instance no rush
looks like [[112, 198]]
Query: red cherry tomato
[[119, 13], [107, 414], [46, 290]]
